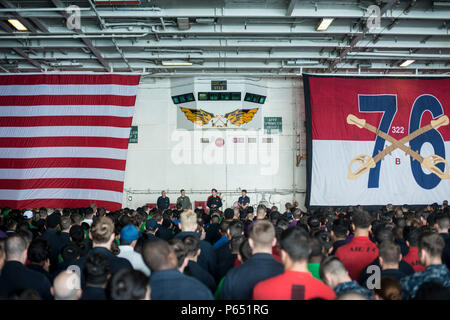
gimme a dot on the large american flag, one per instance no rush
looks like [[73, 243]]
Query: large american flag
[[64, 139]]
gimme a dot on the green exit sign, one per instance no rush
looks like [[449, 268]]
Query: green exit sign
[[133, 135], [273, 125]]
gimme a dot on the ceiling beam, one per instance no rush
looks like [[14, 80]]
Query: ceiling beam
[[19, 51], [271, 65], [230, 44], [35, 20], [360, 36], [18, 16], [87, 42], [304, 9], [259, 29], [39, 24], [97, 54], [5, 26], [232, 55], [122, 55], [26, 57], [291, 7]]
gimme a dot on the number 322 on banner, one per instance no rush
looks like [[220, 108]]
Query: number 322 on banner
[[387, 104]]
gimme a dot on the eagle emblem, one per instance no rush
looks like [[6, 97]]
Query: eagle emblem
[[237, 117], [198, 116], [240, 116]]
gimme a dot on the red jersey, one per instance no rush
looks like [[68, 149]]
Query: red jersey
[[292, 285], [412, 258], [356, 255]]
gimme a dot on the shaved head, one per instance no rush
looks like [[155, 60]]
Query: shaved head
[[158, 255], [15, 247], [66, 286]]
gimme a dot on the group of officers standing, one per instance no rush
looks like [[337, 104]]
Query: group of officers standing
[[214, 201]]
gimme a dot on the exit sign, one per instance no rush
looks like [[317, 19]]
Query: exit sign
[[133, 135], [273, 125], [219, 85]]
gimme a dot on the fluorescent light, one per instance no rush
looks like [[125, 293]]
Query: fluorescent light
[[437, 4], [302, 62], [205, 20], [176, 63], [17, 24], [116, 2], [407, 63], [325, 24]]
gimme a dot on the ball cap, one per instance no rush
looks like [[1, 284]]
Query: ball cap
[[129, 233], [28, 214]]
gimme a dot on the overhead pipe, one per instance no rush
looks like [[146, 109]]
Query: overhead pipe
[[141, 9], [121, 54], [173, 50], [106, 34], [64, 9], [38, 9], [100, 19], [135, 24], [399, 55], [145, 74], [74, 36]]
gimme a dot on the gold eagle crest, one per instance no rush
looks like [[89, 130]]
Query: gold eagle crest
[[198, 116], [237, 117], [240, 116]]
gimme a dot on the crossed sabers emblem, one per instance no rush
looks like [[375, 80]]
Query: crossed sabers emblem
[[369, 162], [221, 122]]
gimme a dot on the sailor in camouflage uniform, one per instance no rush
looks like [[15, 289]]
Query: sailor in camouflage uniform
[[431, 246], [333, 273], [353, 286]]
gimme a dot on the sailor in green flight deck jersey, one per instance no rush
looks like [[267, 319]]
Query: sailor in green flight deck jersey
[[184, 200]]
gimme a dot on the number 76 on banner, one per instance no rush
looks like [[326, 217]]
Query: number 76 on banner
[[387, 104]]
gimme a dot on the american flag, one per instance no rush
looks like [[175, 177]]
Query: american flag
[[64, 139]]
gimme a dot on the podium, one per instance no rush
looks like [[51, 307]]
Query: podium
[[202, 204]]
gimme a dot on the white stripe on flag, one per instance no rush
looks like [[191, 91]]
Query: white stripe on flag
[[65, 110], [63, 173], [61, 193], [63, 152], [64, 131], [68, 89]]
